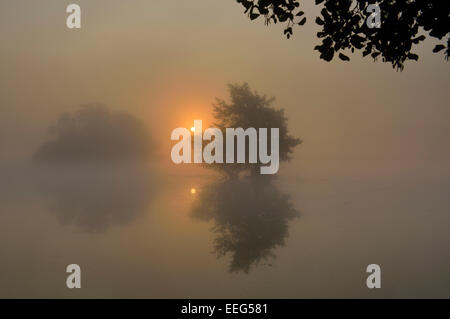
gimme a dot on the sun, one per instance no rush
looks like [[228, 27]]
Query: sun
[[193, 191], [193, 129]]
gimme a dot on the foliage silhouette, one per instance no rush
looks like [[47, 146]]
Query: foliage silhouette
[[96, 134], [249, 109], [344, 26], [250, 217]]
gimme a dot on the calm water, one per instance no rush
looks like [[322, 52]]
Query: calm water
[[140, 232]]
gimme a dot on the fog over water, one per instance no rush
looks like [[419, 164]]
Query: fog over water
[[86, 175]]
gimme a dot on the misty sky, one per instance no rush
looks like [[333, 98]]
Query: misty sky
[[165, 61]]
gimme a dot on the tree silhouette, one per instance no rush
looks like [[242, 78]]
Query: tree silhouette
[[344, 26], [94, 133], [249, 109]]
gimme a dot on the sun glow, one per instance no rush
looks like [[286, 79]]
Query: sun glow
[[193, 129], [193, 191]]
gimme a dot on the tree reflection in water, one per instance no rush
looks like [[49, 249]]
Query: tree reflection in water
[[250, 217]]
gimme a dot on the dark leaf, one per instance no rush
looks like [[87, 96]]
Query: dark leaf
[[413, 56], [253, 16], [375, 54], [247, 4], [327, 55], [319, 21], [418, 39], [343, 57], [263, 10], [438, 48]]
